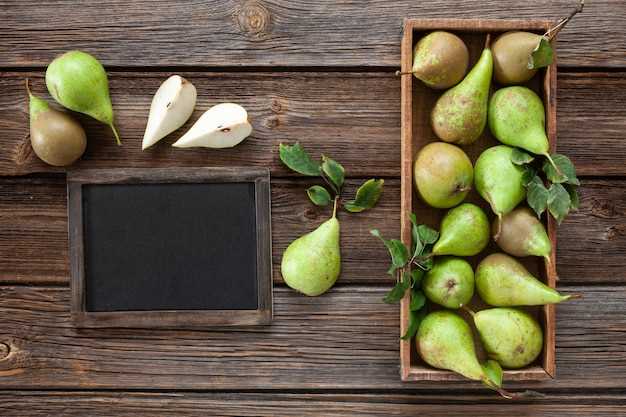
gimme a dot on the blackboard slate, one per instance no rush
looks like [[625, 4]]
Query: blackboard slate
[[169, 246]]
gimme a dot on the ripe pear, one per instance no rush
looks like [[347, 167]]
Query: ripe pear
[[510, 336], [511, 53], [443, 174], [504, 282], [440, 60], [78, 82], [464, 231], [498, 180], [450, 282], [460, 114], [522, 234], [56, 138], [311, 263], [517, 118], [222, 126], [171, 107]]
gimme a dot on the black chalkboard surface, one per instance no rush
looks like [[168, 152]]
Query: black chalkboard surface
[[170, 247]]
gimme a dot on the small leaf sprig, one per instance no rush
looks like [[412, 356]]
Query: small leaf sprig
[[561, 196], [408, 269], [333, 174]]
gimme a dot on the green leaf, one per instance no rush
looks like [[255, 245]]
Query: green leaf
[[297, 159], [426, 234], [415, 319], [568, 171], [417, 275], [334, 171], [417, 243], [397, 292], [573, 195], [542, 55], [519, 157], [494, 372], [417, 300], [398, 251], [559, 202], [537, 195], [366, 196], [529, 173], [319, 195]]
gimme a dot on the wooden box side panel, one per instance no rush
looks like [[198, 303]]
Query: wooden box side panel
[[411, 371]]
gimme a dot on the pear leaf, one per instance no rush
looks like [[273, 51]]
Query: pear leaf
[[397, 292], [319, 195], [366, 196], [563, 163], [415, 319], [417, 242], [519, 157], [399, 253], [426, 234], [417, 300], [542, 55], [529, 173], [573, 195], [417, 275], [559, 202], [334, 171], [537, 195], [493, 371], [297, 159]]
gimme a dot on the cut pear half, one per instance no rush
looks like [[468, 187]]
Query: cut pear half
[[222, 126], [171, 107]]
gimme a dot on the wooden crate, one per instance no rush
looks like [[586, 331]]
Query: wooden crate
[[417, 103]]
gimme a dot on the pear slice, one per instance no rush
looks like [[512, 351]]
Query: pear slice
[[222, 126], [171, 107]]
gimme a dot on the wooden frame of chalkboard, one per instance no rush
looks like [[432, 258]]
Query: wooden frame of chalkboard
[[170, 318]]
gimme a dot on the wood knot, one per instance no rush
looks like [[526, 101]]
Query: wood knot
[[5, 350], [272, 122], [310, 214], [276, 106], [603, 209], [253, 19]]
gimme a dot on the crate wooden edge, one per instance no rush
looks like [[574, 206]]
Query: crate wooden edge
[[408, 373]]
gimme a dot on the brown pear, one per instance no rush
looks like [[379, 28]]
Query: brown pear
[[522, 234], [440, 60], [511, 53]]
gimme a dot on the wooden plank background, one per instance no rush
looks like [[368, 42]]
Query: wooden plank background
[[320, 73]]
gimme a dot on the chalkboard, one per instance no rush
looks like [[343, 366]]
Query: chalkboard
[[170, 247]]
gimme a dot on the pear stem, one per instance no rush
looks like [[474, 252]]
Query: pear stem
[[117, 137], [575, 296], [548, 260], [553, 31], [28, 87], [497, 235], [470, 311], [399, 73], [488, 41], [335, 207], [558, 171]]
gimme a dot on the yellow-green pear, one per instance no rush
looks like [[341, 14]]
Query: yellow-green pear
[[311, 264], [464, 231], [450, 282], [79, 82]]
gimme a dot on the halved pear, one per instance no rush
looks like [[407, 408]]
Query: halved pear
[[222, 126], [171, 107]]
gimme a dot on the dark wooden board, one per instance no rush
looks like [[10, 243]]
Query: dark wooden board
[[353, 117], [185, 404], [346, 339], [280, 32], [33, 231]]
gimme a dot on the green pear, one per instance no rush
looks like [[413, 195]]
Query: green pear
[[464, 231], [56, 138], [443, 174], [440, 59], [504, 282], [460, 114], [511, 53], [450, 282], [517, 118], [78, 82], [510, 336], [498, 180], [311, 263], [522, 234]]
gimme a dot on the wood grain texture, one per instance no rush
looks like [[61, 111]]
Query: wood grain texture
[[34, 248], [278, 32], [138, 404], [354, 117], [346, 339]]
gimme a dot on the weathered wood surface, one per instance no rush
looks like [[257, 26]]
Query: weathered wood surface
[[34, 248], [281, 32], [354, 117], [346, 340], [184, 404]]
